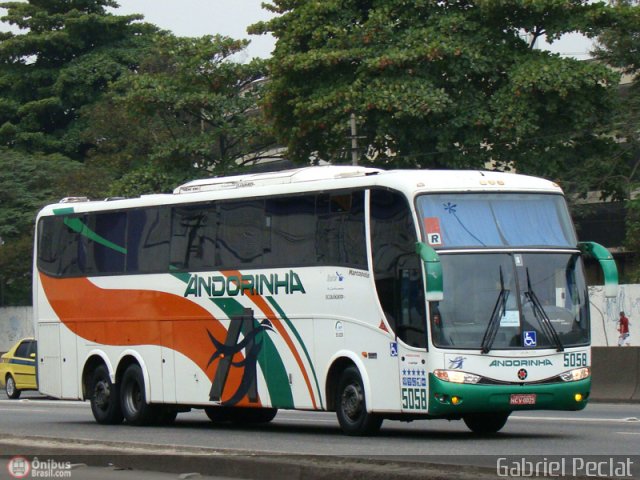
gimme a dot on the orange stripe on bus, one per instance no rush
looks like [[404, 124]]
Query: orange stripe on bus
[[141, 317]]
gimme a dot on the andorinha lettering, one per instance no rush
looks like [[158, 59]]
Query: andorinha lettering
[[522, 363], [234, 285]]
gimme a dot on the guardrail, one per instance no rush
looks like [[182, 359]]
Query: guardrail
[[616, 374]]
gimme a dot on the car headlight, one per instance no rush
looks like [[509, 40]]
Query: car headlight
[[455, 376], [575, 375]]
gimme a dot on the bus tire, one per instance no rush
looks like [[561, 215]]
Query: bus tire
[[351, 406], [218, 414], [486, 423], [10, 388], [248, 416], [104, 398], [133, 400], [240, 416]]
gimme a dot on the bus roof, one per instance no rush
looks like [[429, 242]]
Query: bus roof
[[320, 178]]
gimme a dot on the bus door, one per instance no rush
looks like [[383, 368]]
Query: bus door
[[411, 331]]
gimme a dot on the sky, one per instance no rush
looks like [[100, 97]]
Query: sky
[[194, 18]]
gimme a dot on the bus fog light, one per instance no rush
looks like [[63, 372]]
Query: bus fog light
[[578, 397], [575, 375], [455, 400], [455, 376]]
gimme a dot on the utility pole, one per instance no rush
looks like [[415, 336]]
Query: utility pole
[[354, 140]]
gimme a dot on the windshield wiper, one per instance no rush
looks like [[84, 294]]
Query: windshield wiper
[[541, 316], [499, 311]]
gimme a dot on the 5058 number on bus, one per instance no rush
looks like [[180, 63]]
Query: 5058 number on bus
[[414, 398], [575, 359]]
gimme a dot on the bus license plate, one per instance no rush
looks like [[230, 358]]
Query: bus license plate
[[523, 399]]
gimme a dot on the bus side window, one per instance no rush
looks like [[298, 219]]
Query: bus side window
[[106, 251], [148, 240], [240, 233], [396, 267], [291, 231], [193, 237], [340, 238]]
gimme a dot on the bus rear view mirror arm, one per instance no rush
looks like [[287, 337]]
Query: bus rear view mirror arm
[[607, 263], [433, 269]]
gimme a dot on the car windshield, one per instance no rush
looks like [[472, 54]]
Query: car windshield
[[511, 301], [458, 220]]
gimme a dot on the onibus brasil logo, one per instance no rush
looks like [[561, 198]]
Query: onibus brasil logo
[[22, 467]]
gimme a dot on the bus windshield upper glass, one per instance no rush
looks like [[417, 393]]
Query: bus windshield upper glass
[[469, 220]]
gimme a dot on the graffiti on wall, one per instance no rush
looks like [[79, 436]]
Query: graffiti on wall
[[605, 313]]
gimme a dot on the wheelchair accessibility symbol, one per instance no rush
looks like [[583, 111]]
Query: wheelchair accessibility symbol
[[530, 339]]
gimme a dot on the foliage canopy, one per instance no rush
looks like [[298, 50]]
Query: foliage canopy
[[64, 57], [439, 83]]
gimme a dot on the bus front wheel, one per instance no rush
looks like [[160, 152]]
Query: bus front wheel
[[133, 400], [351, 406], [104, 398], [486, 423]]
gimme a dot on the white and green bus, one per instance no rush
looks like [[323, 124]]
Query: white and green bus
[[376, 294]]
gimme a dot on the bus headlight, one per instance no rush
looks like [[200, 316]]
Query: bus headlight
[[575, 375], [455, 376]]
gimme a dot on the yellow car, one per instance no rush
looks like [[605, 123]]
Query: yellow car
[[18, 368]]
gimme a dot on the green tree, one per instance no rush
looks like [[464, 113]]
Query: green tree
[[188, 111], [67, 53], [440, 83], [27, 183]]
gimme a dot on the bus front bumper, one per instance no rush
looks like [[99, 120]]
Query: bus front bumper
[[449, 399]]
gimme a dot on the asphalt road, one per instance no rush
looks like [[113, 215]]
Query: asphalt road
[[601, 429]]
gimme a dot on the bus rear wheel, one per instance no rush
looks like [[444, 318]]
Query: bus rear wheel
[[351, 406], [486, 423], [133, 400], [104, 398]]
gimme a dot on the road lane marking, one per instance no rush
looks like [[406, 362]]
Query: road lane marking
[[30, 410], [573, 420], [27, 402]]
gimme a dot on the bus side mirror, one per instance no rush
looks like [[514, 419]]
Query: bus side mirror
[[607, 263], [433, 268]]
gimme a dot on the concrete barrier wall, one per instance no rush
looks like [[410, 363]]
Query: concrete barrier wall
[[15, 323], [616, 374]]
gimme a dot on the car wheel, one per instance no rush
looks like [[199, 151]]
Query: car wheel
[[10, 388], [133, 400], [486, 423], [104, 398], [351, 406]]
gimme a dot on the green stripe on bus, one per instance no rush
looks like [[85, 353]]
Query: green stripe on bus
[[63, 211], [275, 305], [78, 226], [269, 359]]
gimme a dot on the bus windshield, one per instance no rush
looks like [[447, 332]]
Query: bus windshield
[[459, 220], [533, 301]]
